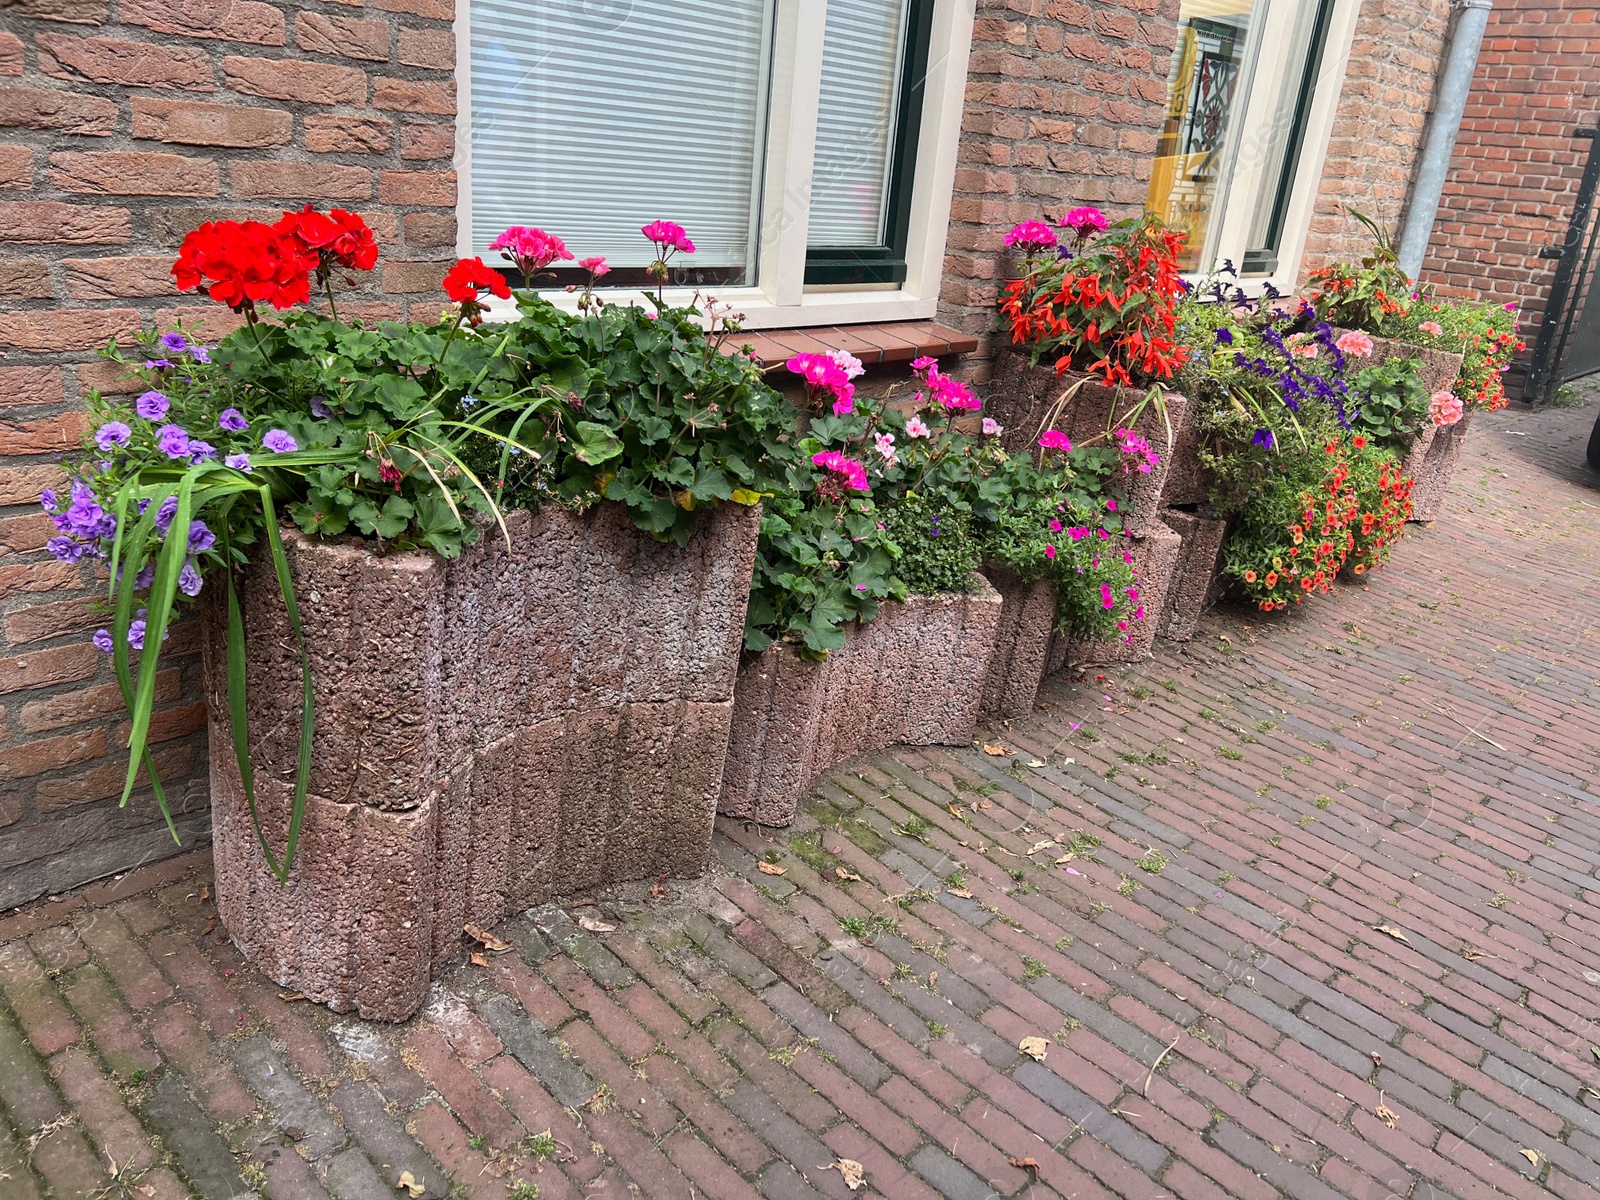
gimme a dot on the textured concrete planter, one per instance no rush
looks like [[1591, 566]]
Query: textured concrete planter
[[490, 732], [1021, 397], [1155, 559], [1438, 368], [1195, 573], [1021, 643], [1431, 462], [1188, 480], [914, 675]]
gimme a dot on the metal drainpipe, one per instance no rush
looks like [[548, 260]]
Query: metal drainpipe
[[1461, 62]]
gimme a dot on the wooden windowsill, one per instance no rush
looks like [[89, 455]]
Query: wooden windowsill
[[873, 344]]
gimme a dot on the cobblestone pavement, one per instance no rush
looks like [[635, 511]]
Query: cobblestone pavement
[[1306, 908]]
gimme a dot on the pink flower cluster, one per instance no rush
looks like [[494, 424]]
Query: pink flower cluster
[[851, 473], [1141, 455], [1445, 408], [530, 249], [933, 384], [669, 235], [1084, 221], [1031, 235], [1355, 343], [1054, 439], [827, 378]]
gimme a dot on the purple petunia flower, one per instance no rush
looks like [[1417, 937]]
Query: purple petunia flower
[[136, 633], [198, 353], [200, 537], [164, 514], [1224, 337], [47, 500], [152, 406], [232, 420], [102, 640], [173, 343], [1264, 438], [173, 440], [156, 364], [68, 550], [189, 579], [200, 452], [319, 408], [112, 433], [145, 577], [279, 442], [239, 462]]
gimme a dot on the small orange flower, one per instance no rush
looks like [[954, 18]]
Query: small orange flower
[[1272, 579], [1249, 576]]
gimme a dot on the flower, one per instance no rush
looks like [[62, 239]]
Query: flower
[[337, 238], [669, 236], [320, 409], [531, 250], [164, 514], [462, 281], [189, 579], [1432, 327], [885, 444], [200, 354], [923, 363], [596, 265], [1445, 408], [102, 640], [1049, 551], [1031, 235], [852, 473], [951, 393], [200, 537], [1137, 447], [173, 440], [848, 363], [1054, 439], [1084, 221], [917, 429], [232, 420], [1355, 343], [1264, 438], [239, 462], [1224, 337], [247, 263], [157, 364], [152, 406], [173, 343], [112, 433], [278, 442], [992, 428], [200, 452], [1359, 441], [1108, 599]]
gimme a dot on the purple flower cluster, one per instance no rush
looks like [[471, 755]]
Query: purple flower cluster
[[1291, 381]]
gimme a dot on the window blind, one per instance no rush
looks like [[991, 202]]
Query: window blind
[[863, 49], [592, 119]]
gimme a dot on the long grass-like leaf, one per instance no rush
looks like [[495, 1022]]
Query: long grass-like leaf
[[302, 776]]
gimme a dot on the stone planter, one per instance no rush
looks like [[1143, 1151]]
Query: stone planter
[[913, 675], [1021, 643], [1021, 397], [1195, 573], [1188, 480], [1439, 368], [1431, 462], [1155, 559], [489, 732]]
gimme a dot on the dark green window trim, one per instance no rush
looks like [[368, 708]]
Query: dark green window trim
[[887, 263]]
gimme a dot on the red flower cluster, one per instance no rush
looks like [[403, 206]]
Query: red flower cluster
[[1117, 320], [245, 263], [464, 279]]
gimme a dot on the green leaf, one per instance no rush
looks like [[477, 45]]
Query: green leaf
[[594, 444]]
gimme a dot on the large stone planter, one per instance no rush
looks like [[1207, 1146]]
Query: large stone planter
[[1021, 643], [1438, 369], [1189, 481], [1022, 396], [1431, 462], [1155, 559], [1194, 574], [913, 675], [490, 732]]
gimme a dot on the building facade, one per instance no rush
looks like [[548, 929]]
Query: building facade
[[848, 170]]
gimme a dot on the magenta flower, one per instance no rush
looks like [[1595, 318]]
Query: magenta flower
[[1031, 235], [669, 235], [1084, 221], [530, 249], [1108, 599], [851, 473], [1049, 551], [923, 363], [596, 265], [1054, 439]]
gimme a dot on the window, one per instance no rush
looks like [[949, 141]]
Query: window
[[1252, 91], [808, 149]]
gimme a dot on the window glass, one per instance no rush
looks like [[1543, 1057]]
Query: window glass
[[591, 118], [862, 59], [1186, 185]]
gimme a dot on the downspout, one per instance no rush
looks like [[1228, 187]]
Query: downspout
[[1454, 86]]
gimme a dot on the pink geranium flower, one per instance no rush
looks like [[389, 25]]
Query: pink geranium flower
[[1445, 408], [992, 428], [1084, 221], [1432, 327], [596, 266], [1354, 342], [530, 249], [917, 429], [1031, 235], [1054, 439], [668, 235], [849, 472]]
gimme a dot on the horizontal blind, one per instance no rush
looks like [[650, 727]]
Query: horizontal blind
[[861, 58], [590, 119]]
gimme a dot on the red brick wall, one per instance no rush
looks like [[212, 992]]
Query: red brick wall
[[1379, 126], [1065, 100], [120, 129], [1514, 175]]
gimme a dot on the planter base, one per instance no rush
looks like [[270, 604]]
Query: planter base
[[490, 732], [1021, 644], [1432, 464], [913, 675], [1195, 573]]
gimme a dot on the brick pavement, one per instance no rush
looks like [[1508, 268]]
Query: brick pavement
[[1330, 876]]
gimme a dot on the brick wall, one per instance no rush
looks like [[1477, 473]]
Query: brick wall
[[1514, 175], [123, 124], [1379, 126], [1065, 102]]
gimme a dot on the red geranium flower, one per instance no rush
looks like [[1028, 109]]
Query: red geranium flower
[[337, 237], [470, 274], [246, 263]]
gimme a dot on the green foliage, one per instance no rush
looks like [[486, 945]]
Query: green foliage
[[1373, 295], [936, 547], [1391, 403]]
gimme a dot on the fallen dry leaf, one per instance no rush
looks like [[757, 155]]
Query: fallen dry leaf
[[1037, 762], [205, 891], [595, 924], [1384, 1113], [291, 997], [1394, 933], [854, 1173], [933, 980], [1532, 1156], [843, 873], [767, 868], [984, 804], [411, 1184], [964, 893], [1026, 1164], [956, 812], [996, 751], [490, 943], [1038, 846], [1034, 1047], [1377, 1059], [1065, 858], [479, 960]]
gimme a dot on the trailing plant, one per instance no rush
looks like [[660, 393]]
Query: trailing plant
[[1485, 335], [1383, 505]]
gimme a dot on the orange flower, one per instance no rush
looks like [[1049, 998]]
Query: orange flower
[[1272, 579], [1249, 576]]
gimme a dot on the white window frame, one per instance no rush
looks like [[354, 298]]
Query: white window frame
[[779, 297], [1265, 74]]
